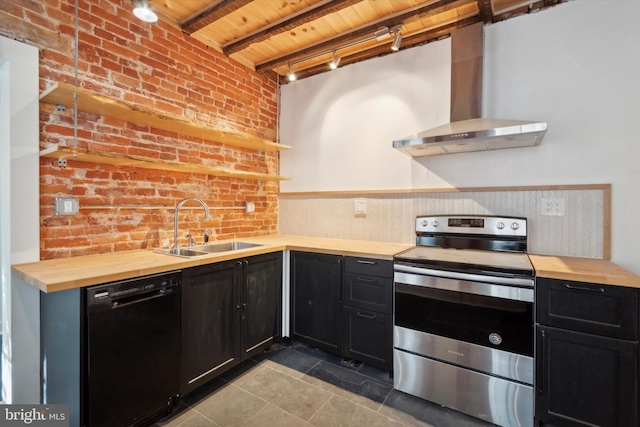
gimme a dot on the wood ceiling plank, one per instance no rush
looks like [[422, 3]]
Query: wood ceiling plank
[[178, 10], [212, 14], [288, 25], [434, 8]]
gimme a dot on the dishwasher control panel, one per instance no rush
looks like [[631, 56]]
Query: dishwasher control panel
[[116, 293]]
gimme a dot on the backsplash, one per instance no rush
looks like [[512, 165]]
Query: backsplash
[[391, 217]]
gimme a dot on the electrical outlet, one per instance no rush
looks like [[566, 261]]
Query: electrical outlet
[[553, 206], [66, 206]]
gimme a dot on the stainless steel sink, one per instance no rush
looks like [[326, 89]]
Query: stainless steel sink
[[196, 251], [225, 247], [183, 252]]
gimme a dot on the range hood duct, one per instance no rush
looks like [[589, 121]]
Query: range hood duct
[[468, 131]]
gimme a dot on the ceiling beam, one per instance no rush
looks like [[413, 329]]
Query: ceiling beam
[[212, 14], [289, 24], [412, 41], [433, 9], [485, 11]]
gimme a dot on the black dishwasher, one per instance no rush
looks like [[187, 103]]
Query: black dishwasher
[[133, 350]]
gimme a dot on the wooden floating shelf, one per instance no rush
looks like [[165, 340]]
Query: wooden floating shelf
[[83, 155], [62, 94]]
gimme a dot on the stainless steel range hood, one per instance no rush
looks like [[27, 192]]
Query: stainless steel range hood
[[467, 130]]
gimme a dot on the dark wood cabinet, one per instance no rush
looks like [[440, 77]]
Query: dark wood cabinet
[[210, 327], [343, 305], [368, 308], [316, 300], [261, 306], [230, 311], [586, 354]]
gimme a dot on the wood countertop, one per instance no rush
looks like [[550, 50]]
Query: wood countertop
[[70, 273], [76, 272], [583, 270]]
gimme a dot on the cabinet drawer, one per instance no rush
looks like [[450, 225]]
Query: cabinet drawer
[[368, 292], [369, 266], [368, 337], [610, 311]]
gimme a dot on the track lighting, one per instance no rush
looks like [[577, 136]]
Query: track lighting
[[291, 76], [380, 35], [141, 11], [396, 42], [335, 61]]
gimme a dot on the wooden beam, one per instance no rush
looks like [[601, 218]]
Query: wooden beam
[[212, 14], [485, 11], [288, 24], [431, 9]]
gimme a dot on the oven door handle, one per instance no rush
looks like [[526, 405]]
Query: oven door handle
[[513, 281], [465, 286]]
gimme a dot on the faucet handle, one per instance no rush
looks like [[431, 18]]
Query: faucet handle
[[192, 241]]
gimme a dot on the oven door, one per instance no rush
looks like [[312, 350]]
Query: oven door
[[465, 320]]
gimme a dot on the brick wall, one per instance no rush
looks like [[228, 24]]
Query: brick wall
[[153, 66]]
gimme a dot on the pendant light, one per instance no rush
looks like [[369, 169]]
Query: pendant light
[[142, 11]]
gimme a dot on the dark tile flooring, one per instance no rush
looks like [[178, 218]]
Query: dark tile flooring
[[296, 385]]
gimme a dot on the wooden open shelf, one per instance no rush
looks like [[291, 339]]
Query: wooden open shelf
[[83, 155], [62, 94]]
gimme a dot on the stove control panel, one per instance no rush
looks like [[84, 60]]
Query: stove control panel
[[466, 224]]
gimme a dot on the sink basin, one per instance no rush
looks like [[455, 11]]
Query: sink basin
[[184, 252], [213, 248], [225, 247]]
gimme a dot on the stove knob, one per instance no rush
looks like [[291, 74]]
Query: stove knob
[[515, 226], [434, 223], [424, 223], [500, 225]]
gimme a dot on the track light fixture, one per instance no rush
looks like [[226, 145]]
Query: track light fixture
[[380, 34], [396, 42], [291, 76], [142, 11], [335, 61]]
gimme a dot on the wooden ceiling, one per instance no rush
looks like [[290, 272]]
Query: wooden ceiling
[[270, 36]]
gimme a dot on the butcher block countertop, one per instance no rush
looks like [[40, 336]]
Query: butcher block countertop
[[76, 272], [70, 273], [583, 270]]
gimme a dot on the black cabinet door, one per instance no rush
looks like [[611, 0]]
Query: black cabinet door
[[210, 322], [585, 380], [261, 302], [368, 337], [316, 304]]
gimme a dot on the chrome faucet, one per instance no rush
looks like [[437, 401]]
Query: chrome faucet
[[175, 224]]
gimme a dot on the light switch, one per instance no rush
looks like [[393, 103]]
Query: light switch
[[360, 207]]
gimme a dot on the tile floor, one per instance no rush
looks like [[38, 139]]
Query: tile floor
[[296, 385]]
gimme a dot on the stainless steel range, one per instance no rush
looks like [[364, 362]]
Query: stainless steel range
[[463, 319]]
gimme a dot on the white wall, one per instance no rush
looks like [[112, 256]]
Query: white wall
[[19, 220], [576, 65]]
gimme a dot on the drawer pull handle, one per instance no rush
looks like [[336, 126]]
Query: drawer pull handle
[[362, 279], [361, 261], [583, 288], [367, 316]]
